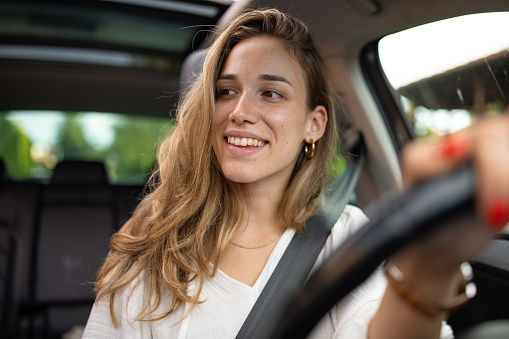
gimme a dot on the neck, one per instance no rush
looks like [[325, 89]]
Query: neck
[[262, 215]]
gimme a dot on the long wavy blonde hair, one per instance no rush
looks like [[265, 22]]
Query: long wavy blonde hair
[[192, 211]]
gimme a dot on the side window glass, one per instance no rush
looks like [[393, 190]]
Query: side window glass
[[450, 72]]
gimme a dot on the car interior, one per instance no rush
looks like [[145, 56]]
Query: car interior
[[88, 88]]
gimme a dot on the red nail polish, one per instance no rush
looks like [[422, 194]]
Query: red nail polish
[[498, 214], [454, 147]]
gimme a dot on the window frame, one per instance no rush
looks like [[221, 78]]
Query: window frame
[[385, 97]]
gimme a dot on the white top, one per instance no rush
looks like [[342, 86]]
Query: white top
[[228, 302]]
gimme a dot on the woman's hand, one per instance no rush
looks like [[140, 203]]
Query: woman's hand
[[431, 265], [486, 144]]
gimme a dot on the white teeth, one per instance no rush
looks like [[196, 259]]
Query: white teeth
[[245, 142]]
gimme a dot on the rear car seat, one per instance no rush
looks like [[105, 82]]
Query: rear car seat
[[77, 218], [19, 208], [7, 249]]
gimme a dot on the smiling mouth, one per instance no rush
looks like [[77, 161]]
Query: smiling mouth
[[244, 142]]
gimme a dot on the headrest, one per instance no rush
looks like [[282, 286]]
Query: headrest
[[79, 172], [191, 69]]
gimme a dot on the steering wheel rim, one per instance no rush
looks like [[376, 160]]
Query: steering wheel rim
[[398, 222]]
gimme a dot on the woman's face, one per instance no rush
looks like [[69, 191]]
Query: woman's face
[[261, 118]]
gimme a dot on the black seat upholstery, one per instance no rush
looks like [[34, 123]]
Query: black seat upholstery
[[79, 173], [19, 210], [4, 177], [7, 248], [127, 197], [76, 221], [52, 240]]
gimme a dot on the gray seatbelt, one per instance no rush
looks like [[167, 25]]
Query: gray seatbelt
[[301, 254]]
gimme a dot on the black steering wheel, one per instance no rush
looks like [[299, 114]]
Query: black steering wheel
[[400, 221]]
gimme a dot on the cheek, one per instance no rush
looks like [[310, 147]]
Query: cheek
[[218, 132], [220, 117], [218, 113], [217, 143], [290, 124]]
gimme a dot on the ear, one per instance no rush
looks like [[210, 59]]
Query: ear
[[317, 122]]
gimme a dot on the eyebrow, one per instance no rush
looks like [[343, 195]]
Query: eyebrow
[[265, 77], [227, 77], [272, 77]]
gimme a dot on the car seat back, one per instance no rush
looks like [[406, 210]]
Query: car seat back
[[76, 223], [7, 248]]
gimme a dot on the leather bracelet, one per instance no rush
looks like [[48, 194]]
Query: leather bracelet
[[431, 309]]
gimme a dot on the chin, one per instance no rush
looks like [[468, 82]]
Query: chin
[[240, 178], [240, 175]]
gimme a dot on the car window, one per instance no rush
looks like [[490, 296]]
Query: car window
[[32, 142], [448, 73], [66, 64]]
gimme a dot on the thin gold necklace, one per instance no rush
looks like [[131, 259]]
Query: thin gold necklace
[[255, 247]]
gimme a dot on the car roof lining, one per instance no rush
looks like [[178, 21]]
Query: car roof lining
[[83, 76], [338, 38]]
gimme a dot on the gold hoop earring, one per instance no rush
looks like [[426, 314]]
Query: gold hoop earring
[[309, 153]]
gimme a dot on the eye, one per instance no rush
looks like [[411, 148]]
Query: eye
[[225, 92], [272, 95]]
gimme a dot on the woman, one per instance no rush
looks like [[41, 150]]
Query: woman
[[241, 173]]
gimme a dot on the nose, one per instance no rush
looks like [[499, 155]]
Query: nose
[[244, 110]]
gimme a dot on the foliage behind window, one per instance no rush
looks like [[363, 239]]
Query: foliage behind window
[[31, 143]]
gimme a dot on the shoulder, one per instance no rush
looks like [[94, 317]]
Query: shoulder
[[350, 220], [127, 305]]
